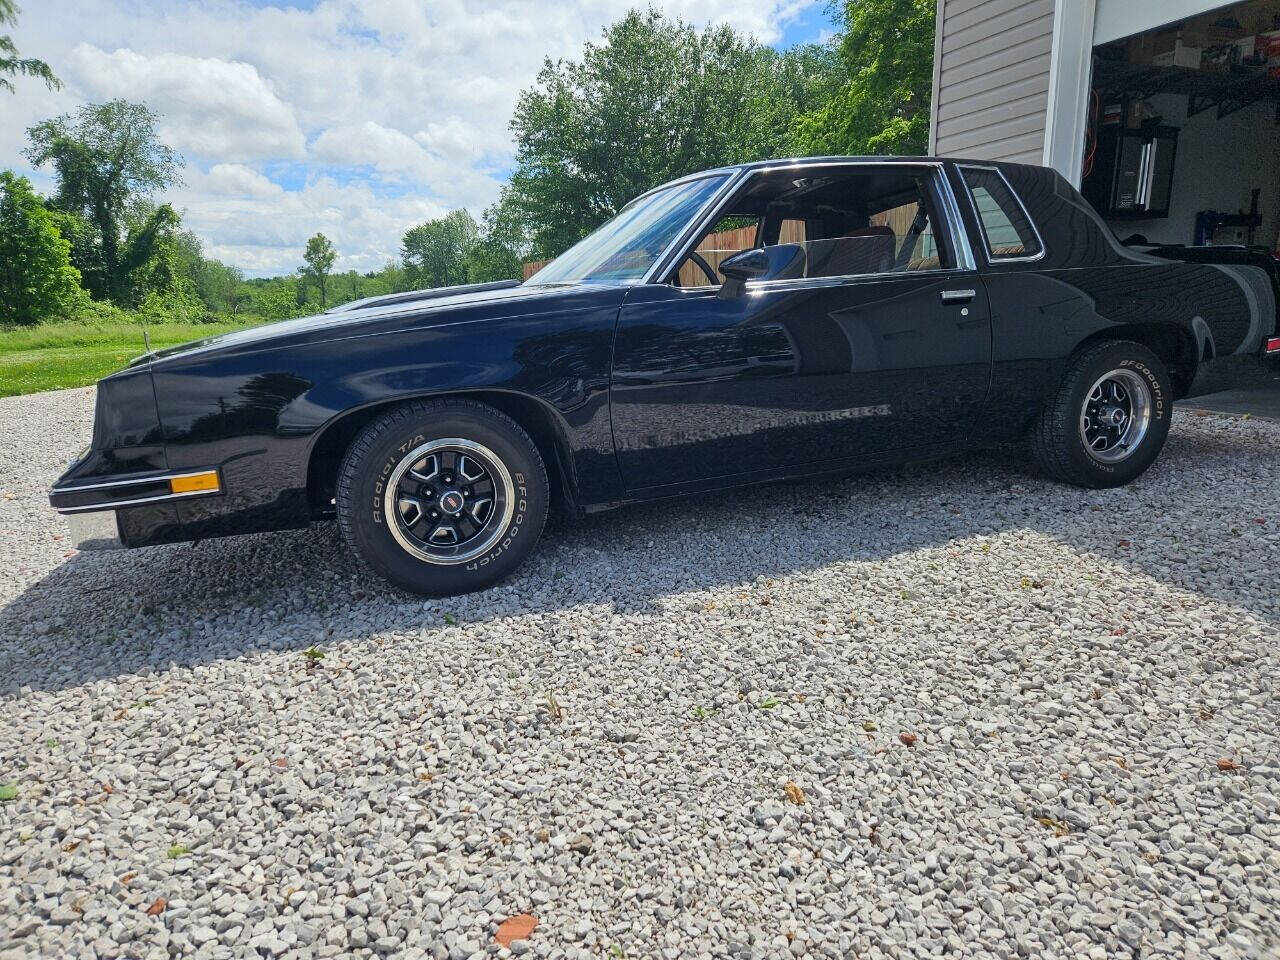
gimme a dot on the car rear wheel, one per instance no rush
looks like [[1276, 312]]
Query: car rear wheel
[[1109, 418], [443, 496]]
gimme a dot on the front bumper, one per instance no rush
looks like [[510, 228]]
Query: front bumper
[[129, 510], [71, 495], [95, 531]]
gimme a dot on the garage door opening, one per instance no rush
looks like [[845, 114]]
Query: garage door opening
[[1183, 136]]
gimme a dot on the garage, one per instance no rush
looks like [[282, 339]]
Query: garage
[[1167, 116]]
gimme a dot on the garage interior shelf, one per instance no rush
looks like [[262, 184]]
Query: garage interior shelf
[[1204, 89]]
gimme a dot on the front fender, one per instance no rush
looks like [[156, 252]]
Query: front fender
[[256, 414]]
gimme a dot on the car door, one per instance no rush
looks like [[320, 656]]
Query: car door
[[799, 373]]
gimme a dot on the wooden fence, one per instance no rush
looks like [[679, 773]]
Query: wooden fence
[[533, 266]]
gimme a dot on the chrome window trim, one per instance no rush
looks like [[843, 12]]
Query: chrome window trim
[[973, 204], [962, 249], [763, 286], [158, 478]]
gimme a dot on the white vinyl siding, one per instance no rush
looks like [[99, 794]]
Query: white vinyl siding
[[993, 67]]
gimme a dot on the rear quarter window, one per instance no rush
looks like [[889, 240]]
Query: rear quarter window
[[1006, 228]]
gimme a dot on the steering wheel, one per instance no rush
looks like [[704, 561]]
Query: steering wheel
[[705, 267]]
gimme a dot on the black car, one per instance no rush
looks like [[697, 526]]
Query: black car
[[877, 311]]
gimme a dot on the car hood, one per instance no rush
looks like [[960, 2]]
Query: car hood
[[385, 314]]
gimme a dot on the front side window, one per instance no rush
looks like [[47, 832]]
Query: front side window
[[1008, 230], [843, 222], [625, 248]]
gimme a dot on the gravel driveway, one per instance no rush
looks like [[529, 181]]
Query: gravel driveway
[[952, 710]]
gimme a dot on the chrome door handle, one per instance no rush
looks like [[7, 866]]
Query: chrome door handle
[[958, 296]]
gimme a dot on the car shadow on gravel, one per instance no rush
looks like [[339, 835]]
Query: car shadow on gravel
[[1190, 523]]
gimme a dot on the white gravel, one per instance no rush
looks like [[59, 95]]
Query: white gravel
[[606, 742]]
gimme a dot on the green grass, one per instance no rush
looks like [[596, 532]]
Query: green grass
[[53, 356]]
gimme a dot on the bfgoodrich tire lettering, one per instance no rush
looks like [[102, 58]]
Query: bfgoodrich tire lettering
[[442, 496], [1109, 418]]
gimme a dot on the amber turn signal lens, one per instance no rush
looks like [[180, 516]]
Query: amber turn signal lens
[[195, 482]]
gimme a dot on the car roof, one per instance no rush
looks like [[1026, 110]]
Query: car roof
[[787, 163]]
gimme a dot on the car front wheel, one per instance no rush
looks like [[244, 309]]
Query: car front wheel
[[1109, 418], [443, 496]]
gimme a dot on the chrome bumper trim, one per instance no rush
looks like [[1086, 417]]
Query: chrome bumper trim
[[136, 501], [132, 481], [151, 489], [95, 531]]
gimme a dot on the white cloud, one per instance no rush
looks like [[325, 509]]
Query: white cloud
[[356, 117], [458, 141], [268, 236], [235, 179], [211, 107], [372, 144]]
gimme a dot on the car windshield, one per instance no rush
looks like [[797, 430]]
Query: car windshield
[[625, 248]]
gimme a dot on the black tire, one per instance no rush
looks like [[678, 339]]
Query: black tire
[[1059, 437], [385, 450]]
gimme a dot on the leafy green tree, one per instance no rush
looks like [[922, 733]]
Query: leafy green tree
[[12, 65], [490, 260], [319, 257], [882, 106], [37, 280], [393, 278], [151, 235], [501, 249], [436, 253], [221, 286], [276, 298], [86, 252], [348, 286], [109, 163], [653, 100], [163, 278]]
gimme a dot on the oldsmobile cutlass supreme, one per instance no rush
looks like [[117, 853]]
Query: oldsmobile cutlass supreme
[[870, 311]]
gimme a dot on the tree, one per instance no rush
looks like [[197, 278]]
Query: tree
[[151, 233], [882, 106], [109, 163], [501, 249], [163, 267], [319, 257], [491, 259], [11, 65], [220, 286], [653, 100], [37, 280], [276, 298], [435, 253]]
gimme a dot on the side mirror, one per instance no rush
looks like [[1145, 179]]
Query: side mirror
[[748, 265], [783, 261]]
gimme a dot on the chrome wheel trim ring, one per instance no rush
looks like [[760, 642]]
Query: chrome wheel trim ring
[[490, 532], [1115, 416]]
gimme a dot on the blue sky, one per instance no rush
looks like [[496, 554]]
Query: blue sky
[[813, 24], [359, 118]]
